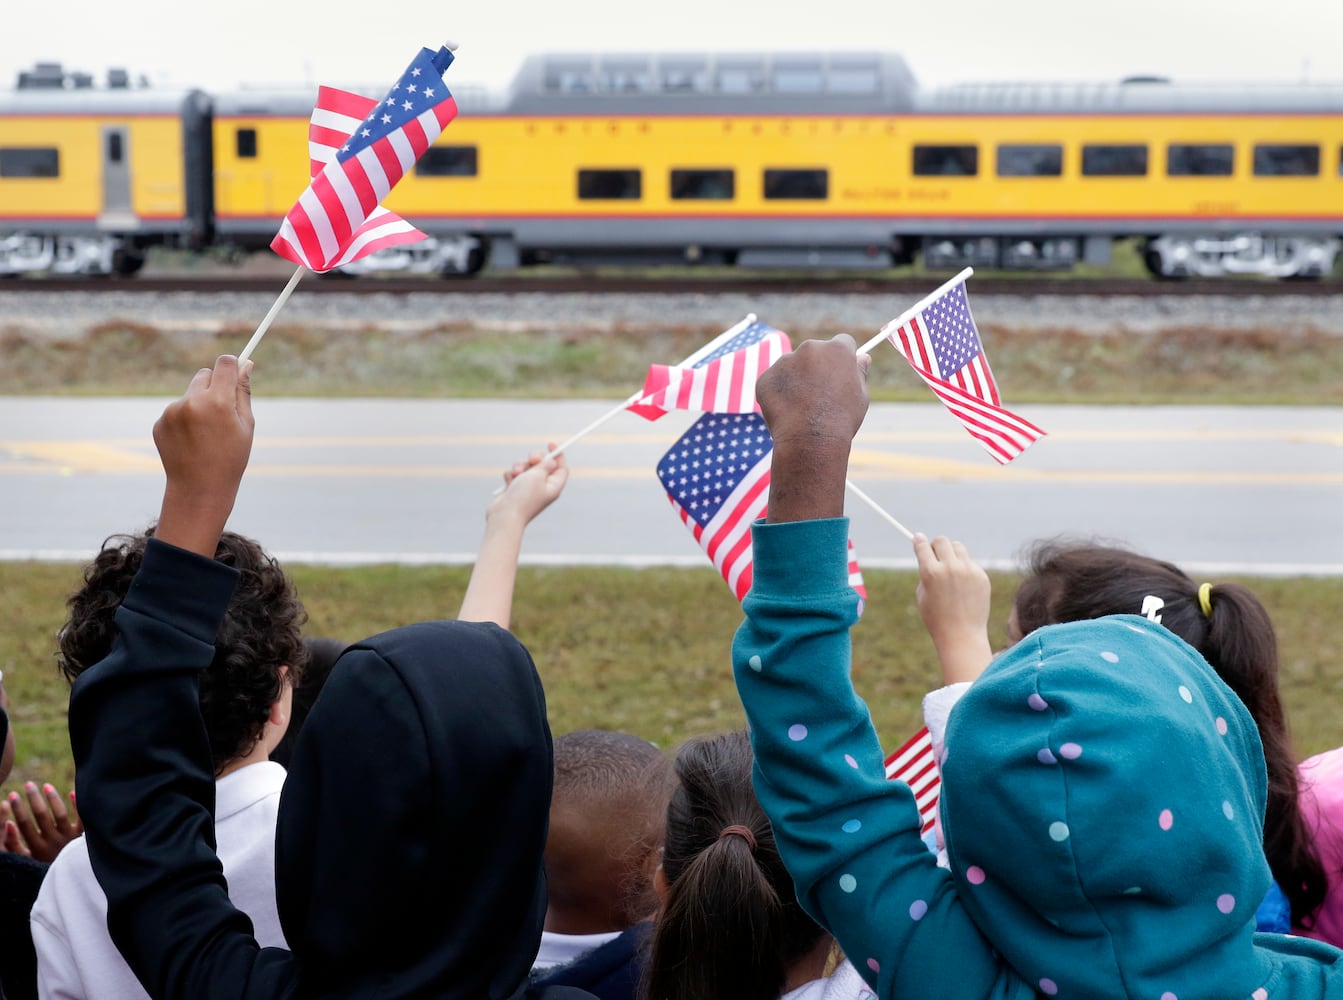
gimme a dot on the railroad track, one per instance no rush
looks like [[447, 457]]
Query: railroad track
[[909, 287]]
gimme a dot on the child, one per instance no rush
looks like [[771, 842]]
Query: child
[[606, 819], [1074, 581], [245, 696], [436, 731], [1102, 796], [730, 926]]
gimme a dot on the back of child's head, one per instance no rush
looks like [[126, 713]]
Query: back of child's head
[[1229, 626], [1102, 803], [438, 732], [260, 634], [730, 924], [323, 652], [606, 818]]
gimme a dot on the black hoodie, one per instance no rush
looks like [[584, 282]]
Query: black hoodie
[[411, 827]]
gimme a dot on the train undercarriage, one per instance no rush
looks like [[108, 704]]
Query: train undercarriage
[[44, 253], [1167, 256], [1272, 256]]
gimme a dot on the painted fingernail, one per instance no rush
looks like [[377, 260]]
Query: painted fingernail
[[30, 785], [50, 790]]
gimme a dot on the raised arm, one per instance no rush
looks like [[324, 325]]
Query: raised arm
[[530, 487], [144, 776], [849, 837], [953, 599]]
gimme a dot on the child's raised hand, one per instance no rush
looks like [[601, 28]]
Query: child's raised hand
[[530, 487], [204, 440], [953, 599], [38, 823]]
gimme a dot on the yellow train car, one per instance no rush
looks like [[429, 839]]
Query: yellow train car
[[836, 160], [840, 160], [90, 178]]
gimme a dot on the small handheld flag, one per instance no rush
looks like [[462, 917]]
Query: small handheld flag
[[358, 150], [723, 381], [717, 480], [914, 764], [939, 339]]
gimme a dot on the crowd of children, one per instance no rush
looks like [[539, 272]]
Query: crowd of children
[[1121, 811]]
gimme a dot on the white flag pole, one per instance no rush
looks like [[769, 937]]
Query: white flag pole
[[270, 316], [620, 408], [905, 316], [877, 507], [703, 352]]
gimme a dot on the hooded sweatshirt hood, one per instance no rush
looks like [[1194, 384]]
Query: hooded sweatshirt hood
[[412, 823], [1103, 805]]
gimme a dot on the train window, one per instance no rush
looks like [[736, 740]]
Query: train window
[[1030, 161], [797, 184], [448, 161], [30, 162], [1286, 161], [853, 80], [741, 78], [797, 79], [689, 77], [703, 185], [946, 161], [568, 78], [1215, 160], [1114, 161], [603, 185], [115, 147], [626, 79], [246, 141]]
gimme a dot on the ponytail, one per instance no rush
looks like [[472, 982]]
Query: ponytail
[[730, 924], [1069, 581], [1242, 647]]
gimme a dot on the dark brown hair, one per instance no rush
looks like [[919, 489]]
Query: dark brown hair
[[1071, 581], [260, 634], [730, 925]]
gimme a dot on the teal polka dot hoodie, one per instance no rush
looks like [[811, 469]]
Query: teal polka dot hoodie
[[1102, 804]]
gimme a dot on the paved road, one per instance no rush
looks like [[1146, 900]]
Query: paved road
[[1217, 489]]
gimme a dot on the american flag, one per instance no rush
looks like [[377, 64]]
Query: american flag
[[721, 382], [941, 343], [358, 149], [914, 764], [717, 479]]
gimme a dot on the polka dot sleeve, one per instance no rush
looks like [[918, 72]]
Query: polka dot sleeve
[[849, 837]]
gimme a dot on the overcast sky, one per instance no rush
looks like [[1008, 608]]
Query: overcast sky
[[220, 43]]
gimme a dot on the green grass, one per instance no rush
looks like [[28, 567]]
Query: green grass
[[1180, 365], [645, 651]]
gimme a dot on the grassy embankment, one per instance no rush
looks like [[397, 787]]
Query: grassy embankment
[[646, 651], [640, 650]]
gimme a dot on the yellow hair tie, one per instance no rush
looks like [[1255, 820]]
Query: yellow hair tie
[[1205, 599]]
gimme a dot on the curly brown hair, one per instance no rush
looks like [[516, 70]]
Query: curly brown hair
[[261, 633]]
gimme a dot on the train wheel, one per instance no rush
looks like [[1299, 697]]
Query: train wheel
[[1155, 262], [127, 261]]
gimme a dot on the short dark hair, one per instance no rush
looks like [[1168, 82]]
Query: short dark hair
[[260, 634], [607, 811]]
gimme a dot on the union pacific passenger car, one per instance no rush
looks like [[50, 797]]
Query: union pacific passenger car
[[753, 159], [89, 178]]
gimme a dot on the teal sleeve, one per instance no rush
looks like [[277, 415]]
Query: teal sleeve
[[849, 837]]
